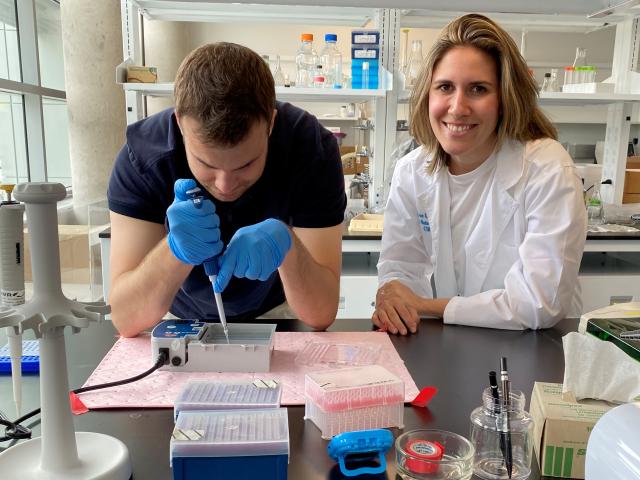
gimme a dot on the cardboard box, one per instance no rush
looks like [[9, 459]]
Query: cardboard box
[[633, 162], [137, 74], [631, 198], [632, 181], [561, 429], [74, 254]]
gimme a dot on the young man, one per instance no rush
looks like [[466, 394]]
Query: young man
[[273, 204]]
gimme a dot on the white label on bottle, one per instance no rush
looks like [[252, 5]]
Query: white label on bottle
[[365, 38], [365, 53], [12, 297]]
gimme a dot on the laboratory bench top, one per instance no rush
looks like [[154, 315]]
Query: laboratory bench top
[[349, 235], [455, 359]]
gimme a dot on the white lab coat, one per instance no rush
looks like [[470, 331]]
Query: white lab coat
[[523, 256]]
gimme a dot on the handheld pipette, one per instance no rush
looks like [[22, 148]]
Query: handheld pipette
[[211, 267], [12, 279]]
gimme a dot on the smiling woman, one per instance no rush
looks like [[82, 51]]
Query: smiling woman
[[485, 223], [463, 107]]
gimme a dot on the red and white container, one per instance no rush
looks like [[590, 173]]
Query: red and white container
[[354, 398]]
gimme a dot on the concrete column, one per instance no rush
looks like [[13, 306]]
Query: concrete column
[[92, 44], [165, 46]]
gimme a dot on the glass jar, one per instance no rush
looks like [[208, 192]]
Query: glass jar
[[595, 209], [414, 65], [546, 83], [489, 440]]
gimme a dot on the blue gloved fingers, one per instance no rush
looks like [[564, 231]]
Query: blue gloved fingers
[[181, 186], [226, 267], [254, 252], [254, 263], [194, 234], [269, 263]]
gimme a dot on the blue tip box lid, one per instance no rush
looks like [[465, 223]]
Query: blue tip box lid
[[30, 358]]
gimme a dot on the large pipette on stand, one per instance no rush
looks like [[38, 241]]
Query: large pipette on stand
[[12, 280], [60, 453]]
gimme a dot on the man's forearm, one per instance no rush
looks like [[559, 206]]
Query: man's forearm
[[141, 297], [312, 290]]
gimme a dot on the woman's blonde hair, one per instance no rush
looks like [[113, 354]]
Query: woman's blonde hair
[[520, 117]]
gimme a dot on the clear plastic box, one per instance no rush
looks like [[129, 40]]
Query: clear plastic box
[[338, 354], [231, 443], [203, 395], [357, 398]]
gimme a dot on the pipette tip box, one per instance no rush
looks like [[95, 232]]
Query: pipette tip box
[[203, 395], [30, 358], [231, 444], [354, 398]]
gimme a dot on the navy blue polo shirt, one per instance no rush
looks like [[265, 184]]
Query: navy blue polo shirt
[[302, 185]]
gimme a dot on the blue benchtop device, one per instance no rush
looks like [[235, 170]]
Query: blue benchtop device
[[366, 444], [194, 346]]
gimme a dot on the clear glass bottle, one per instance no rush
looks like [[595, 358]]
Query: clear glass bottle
[[569, 74], [306, 61], [319, 78], [486, 423], [331, 61], [595, 209], [581, 57], [555, 87], [546, 83], [278, 74], [414, 65]]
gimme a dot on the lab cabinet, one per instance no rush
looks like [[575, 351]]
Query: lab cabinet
[[617, 110]]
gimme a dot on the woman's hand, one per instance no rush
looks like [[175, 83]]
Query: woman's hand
[[396, 308]]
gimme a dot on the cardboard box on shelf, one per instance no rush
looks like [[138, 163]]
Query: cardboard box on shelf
[[74, 254], [633, 162], [631, 198], [561, 429], [137, 74], [632, 181]]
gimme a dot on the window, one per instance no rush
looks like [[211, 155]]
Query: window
[[13, 154], [50, 44], [34, 145], [9, 57]]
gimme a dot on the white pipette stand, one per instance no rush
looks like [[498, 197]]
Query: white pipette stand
[[60, 453]]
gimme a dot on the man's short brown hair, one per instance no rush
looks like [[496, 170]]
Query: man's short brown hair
[[227, 88]]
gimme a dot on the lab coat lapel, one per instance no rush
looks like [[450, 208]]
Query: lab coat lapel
[[437, 205], [497, 212]]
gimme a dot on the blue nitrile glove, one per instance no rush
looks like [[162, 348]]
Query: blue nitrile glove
[[254, 252], [194, 233]]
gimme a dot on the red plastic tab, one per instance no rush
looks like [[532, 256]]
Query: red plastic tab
[[77, 407], [424, 397]]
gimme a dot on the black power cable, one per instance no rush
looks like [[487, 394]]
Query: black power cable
[[15, 431]]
